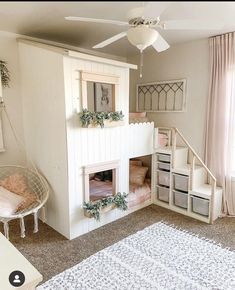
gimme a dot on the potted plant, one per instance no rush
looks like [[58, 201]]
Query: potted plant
[[94, 209]]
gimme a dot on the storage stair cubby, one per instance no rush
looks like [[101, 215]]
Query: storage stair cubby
[[182, 182]]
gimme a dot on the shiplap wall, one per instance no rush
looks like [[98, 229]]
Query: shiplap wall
[[95, 145], [42, 91]]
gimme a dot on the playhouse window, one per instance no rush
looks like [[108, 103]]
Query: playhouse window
[[99, 92]]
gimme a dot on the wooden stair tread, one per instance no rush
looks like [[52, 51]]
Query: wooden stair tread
[[185, 169], [168, 149], [204, 191]]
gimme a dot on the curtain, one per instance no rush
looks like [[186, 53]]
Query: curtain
[[219, 153]]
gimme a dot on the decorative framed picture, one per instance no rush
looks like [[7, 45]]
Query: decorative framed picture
[[165, 96], [103, 97]]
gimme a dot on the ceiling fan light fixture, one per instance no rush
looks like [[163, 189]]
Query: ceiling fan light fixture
[[142, 36]]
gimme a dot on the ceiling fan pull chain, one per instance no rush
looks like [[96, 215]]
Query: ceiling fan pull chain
[[141, 62]]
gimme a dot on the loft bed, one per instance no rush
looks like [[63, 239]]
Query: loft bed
[[139, 193], [101, 186]]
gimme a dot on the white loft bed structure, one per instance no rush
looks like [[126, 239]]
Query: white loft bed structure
[[53, 94], [54, 90]]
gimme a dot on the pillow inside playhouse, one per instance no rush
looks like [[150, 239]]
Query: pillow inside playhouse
[[136, 162], [138, 174]]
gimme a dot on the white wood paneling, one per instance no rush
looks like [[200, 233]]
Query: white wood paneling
[[42, 83], [51, 91], [87, 146], [140, 139]]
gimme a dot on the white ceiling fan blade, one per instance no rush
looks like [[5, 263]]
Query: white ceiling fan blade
[[192, 24], [110, 40], [160, 44], [155, 9], [84, 19]]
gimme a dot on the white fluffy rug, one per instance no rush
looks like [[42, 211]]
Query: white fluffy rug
[[158, 257]]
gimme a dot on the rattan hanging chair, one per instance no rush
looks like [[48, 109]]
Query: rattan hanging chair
[[36, 184]]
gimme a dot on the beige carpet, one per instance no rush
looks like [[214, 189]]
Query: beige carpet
[[51, 253]]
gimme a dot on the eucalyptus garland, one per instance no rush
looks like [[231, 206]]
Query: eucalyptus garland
[[97, 118], [4, 74], [94, 208]]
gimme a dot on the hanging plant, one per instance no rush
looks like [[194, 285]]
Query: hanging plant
[[94, 209], [4, 73]]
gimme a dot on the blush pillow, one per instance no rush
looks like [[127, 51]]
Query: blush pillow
[[17, 183], [136, 162], [163, 140], [9, 202], [137, 174]]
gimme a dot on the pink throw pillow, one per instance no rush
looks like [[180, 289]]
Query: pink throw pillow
[[17, 183], [9, 202], [136, 163], [137, 174], [162, 140]]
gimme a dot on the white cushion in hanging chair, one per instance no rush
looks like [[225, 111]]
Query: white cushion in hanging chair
[[9, 202]]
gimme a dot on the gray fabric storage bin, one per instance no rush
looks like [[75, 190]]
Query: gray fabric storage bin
[[164, 157], [164, 166], [181, 199], [164, 178], [163, 193], [200, 205], [181, 182]]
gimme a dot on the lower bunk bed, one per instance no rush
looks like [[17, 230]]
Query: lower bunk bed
[[139, 181], [101, 186], [139, 194]]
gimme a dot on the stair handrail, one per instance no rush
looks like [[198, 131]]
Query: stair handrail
[[213, 183], [195, 154], [176, 131]]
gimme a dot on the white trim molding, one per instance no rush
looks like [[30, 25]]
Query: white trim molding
[[103, 166]]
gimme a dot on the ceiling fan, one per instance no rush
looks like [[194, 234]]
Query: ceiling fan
[[143, 22]]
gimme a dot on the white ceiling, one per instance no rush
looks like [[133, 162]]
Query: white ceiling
[[46, 20]]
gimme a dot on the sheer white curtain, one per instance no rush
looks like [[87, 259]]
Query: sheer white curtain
[[221, 116]]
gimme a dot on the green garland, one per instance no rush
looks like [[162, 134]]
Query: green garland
[[98, 118], [93, 208], [4, 74]]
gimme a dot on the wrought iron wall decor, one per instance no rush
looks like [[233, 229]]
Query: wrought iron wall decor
[[166, 96]]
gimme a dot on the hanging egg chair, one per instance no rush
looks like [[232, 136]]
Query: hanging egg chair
[[22, 182]]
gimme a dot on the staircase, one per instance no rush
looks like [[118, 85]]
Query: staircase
[[181, 181]]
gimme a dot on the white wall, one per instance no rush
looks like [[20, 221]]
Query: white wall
[[9, 53], [189, 61]]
